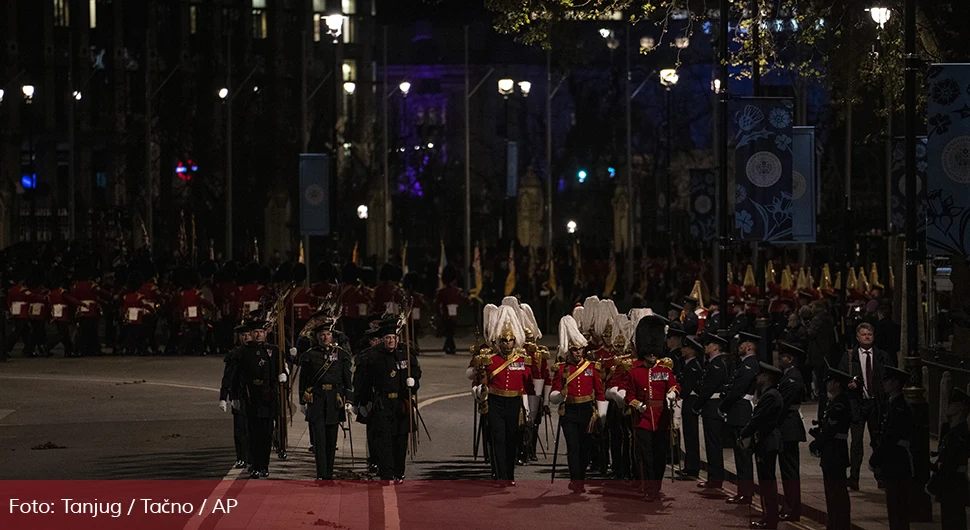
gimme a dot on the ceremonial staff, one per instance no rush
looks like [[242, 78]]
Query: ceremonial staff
[[285, 405], [412, 426]]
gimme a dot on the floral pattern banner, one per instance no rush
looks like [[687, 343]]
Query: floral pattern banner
[[948, 152], [899, 184], [762, 133], [703, 221]]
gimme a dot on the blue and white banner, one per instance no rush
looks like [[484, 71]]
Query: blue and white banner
[[898, 176], [703, 221], [804, 193], [762, 132], [314, 194], [948, 152]]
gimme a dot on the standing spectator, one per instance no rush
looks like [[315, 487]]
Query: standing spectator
[[446, 303], [866, 365]]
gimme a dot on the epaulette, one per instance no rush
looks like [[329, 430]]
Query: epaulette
[[542, 352]]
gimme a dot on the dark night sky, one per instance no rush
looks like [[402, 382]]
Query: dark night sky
[[444, 10]]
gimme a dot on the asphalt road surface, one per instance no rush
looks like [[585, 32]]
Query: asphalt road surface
[[158, 418]]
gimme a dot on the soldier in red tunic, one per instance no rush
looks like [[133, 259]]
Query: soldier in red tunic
[[153, 298], [251, 292], [88, 294], [388, 296], [355, 303], [19, 312], [135, 308], [539, 359], [62, 307], [505, 380], [300, 302], [446, 303], [326, 283], [578, 390], [649, 389], [419, 306], [191, 305], [39, 312]]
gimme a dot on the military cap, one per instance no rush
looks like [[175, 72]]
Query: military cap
[[890, 372], [676, 329], [744, 336], [694, 345], [837, 375], [714, 337], [714, 301], [769, 368], [690, 299], [678, 307], [959, 396], [387, 329], [787, 348], [245, 327]]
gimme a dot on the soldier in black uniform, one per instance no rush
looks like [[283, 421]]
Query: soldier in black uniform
[[234, 393], [690, 379], [706, 405], [792, 389], [325, 389], [737, 402], [385, 396], [259, 373], [690, 322], [832, 443], [672, 345], [891, 460], [949, 481], [762, 434], [373, 338]]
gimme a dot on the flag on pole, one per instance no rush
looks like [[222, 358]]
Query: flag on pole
[[552, 275], [404, 258], [442, 263], [255, 250], [610, 278], [353, 256], [212, 249], [510, 279], [302, 255], [474, 292], [577, 264]]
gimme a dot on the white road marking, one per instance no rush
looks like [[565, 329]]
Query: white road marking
[[106, 381]]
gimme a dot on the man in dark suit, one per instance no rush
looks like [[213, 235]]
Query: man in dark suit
[[792, 389], [865, 364], [706, 406], [737, 403], [690, 379], [891, 459]]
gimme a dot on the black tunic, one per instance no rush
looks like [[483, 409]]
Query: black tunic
[[325, 380]]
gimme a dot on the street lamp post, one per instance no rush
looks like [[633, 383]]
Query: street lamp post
[[668, 78], [506, 87], [28, 91], [469, 92], [723, 230], [335, 22]]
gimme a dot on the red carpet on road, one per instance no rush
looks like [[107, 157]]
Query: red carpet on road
[[272, 504]]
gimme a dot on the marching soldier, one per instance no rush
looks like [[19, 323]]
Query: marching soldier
[[61, 303], [949, 481], [89, 296], [690, 380], [891, 460], [390, 376], [737, 402], [504, 381], [792, 389], [651, 391], [707, 405], [446, 302], [191, 303], [618, 415], [259, 374], [576, 385], [374, 339], [761, 433], [233, 394], [690, 320], [325, 390], [600, 315], [135, 308], [832, 443], [538, 359]]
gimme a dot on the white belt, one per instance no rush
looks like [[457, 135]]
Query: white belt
[[903, 443], [794, 407], [842, 436], [749, 397], [716, 395]]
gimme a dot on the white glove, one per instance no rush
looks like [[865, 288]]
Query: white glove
[[235, 404], [302, 408], [349, 408], [287, 367], [533, 407], [555, 398], [642, 407], [537, 384], [477, 392], [222, 405], [410, 382], [282, 378], [470, 373], [293, 352], [611, 393], [672, 395], [620, 397], [525, 405], [602, 407]]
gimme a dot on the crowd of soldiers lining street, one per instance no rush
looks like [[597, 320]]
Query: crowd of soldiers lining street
[[625, 386]]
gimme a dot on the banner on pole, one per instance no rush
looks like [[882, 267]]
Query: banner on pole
[[898, 177], [948, 152], [763, 207], [314, 194], [703, 221], [804, 185]]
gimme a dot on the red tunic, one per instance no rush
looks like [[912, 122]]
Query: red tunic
[[135, 307], [583, 388], [17, 298], [418, 306], [249, 298], [511, 381], [61, 303], [649, 385], [300, 303], [388, 298], [191, 304], [540, 362], [321, 290], [355, 301], [447, 300], [38, 307], [88, 295]]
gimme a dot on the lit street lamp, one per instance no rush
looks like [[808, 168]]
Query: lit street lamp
[[1, 95], [77, 95], [525, 87], [362, 212], [405, 87], [350, 87], [335, 23], [669, 77], [880, 15], [571, 227], [28, 92], [505, 87], [223, 93]]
